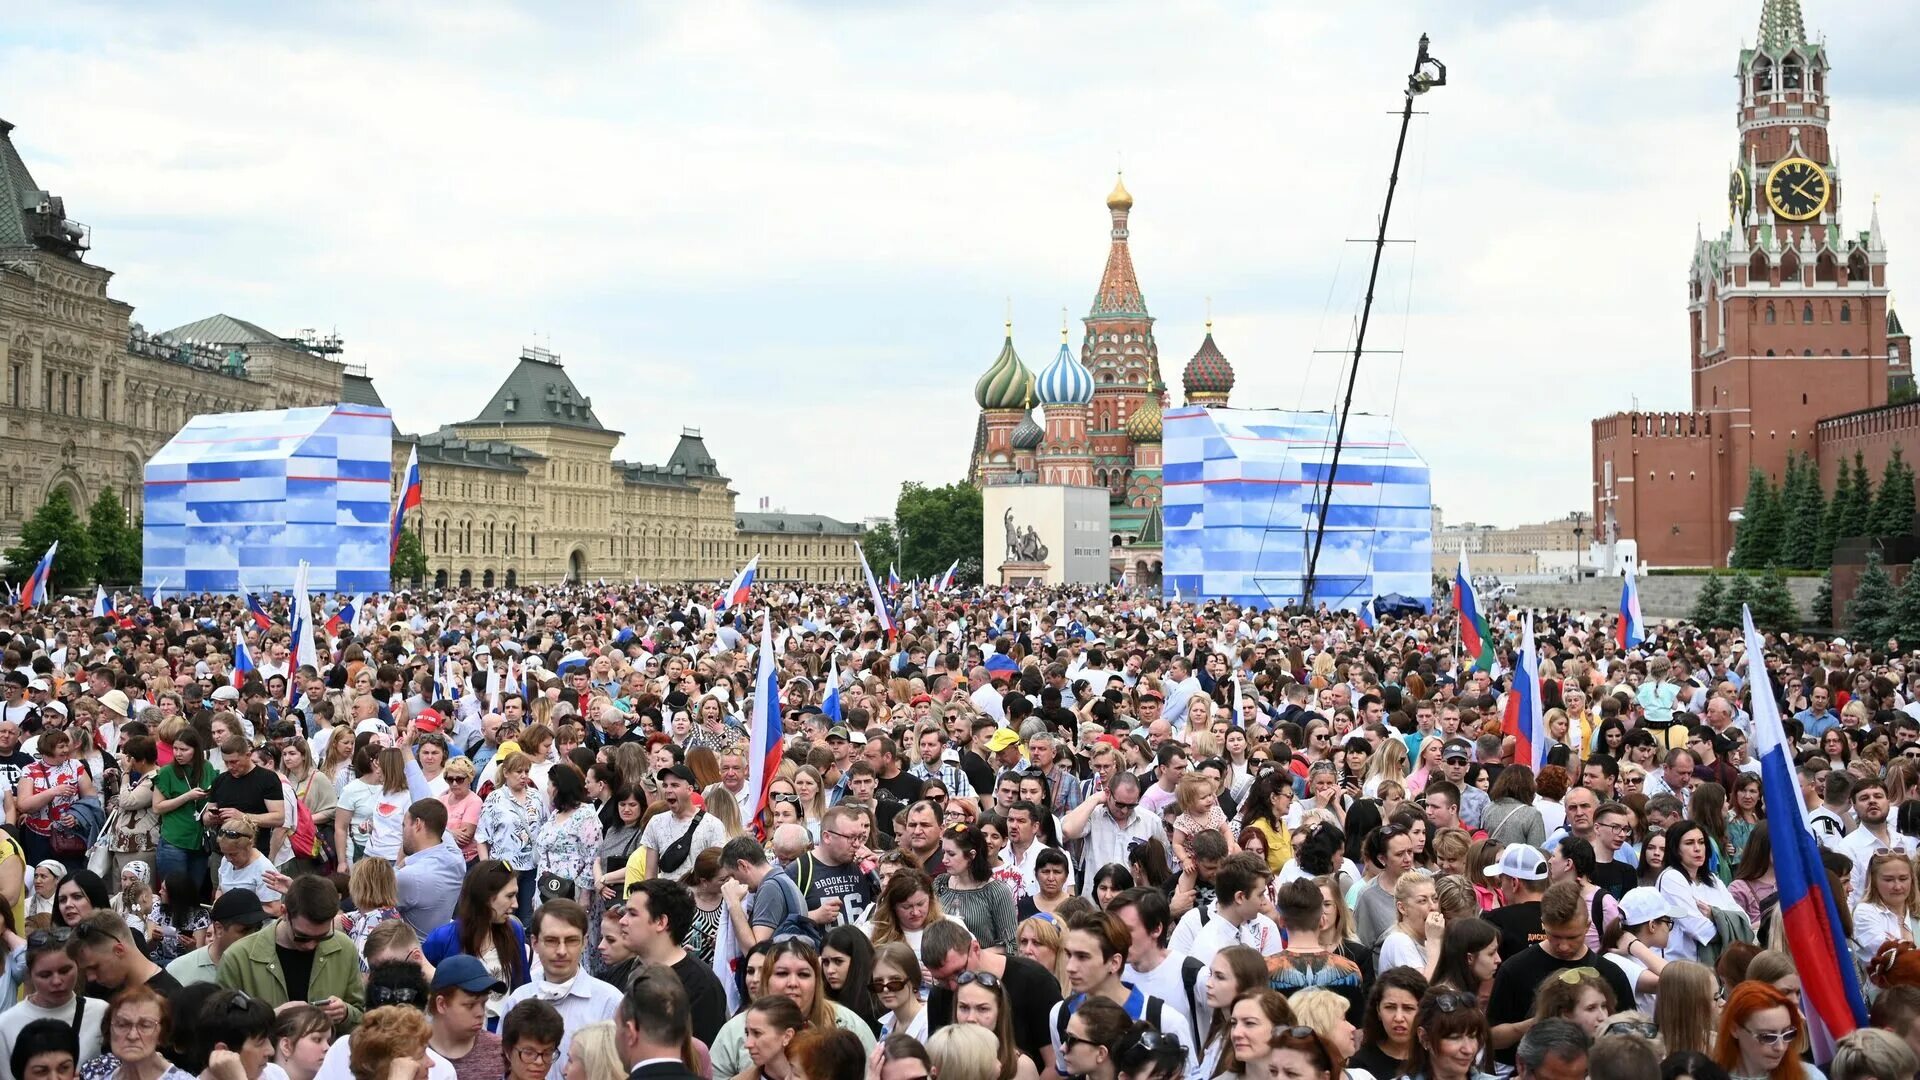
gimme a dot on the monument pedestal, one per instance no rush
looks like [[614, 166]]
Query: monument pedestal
[[1014, 572]]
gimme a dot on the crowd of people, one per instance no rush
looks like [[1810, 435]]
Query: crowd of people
[[1051, 833]]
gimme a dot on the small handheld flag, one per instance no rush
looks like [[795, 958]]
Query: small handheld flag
[[1473, 622], [1525, 718], [39, 581], [259, 612], [1814, 934], [1365, 616], [242, 659], [302, 652], [880, 611], [737, 593], [1630, 631], [946, 579], [893, 578], [102, 603], [830, 705], [410, 492], [341, 619]]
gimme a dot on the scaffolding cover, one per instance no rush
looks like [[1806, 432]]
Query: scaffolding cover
[[236, 500], [1239, 503]]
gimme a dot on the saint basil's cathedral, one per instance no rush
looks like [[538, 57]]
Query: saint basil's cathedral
[[1100, 422]]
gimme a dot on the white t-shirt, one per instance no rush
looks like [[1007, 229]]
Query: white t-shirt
[[334, 1065], [1633, 969], [1195, 938], [1398, 949], [26, 1012]]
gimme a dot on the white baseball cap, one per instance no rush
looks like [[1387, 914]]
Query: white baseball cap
[[1523, 862], [1645, 904]]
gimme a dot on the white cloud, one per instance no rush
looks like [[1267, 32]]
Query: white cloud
[[794, 225]]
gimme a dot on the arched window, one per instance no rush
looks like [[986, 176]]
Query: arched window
[[466, 579], [1806, 312], [440, 579], [1769, 352], [1790, 74], [1758, 268], [1827, 268], [1846, 311], [512, 576], [1858, 273], [1770, 314], [1806, 352], [486, 580], [1762, 75]]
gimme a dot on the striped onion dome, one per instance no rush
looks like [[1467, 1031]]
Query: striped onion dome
[[1027, 435], [1066, 381], [1144, 425], [1007, 383], [1208, 378]]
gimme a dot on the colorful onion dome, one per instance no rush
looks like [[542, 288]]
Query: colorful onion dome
[[1144, 425], [1027, 435], [1066, 381], [1007, 383], [1208, 378], [1119, 198]]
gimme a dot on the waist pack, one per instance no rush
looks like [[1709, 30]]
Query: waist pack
[[677, 852]]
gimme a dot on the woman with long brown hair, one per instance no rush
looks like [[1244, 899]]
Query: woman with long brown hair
[[484, 927], [792, 970], [907, 906]]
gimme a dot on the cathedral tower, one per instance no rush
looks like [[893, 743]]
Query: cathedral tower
[[1002, 393], [1065, 456], [1120, 352]]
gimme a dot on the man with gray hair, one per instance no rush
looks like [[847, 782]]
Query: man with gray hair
[[1555, 1049], [1623, 1057]]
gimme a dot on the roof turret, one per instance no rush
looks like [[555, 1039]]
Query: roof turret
[[1007, 382], [1144, 425], [1066, 381], [1208, 378]]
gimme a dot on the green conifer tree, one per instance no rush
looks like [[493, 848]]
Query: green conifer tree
[[1756, 540], [1773, 606], [1823, 602], [1832, 522], [1870, 614], [1858, 520], [116, 544], [1739, 594], [1807, 506], [1706, 606], [1906, 609]]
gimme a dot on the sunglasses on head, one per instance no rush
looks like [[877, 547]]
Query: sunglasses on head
[[982, 978]]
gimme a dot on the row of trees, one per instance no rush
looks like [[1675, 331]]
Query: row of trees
[[1797, 525], [941, 524], [1879, 610], [102, 548], [1721, 598]]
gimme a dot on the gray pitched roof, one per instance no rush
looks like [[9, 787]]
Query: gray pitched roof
[[358, 390], [227, 330], [18, 192], [446, 448], [691, 454], [539, 391], [793, 523]]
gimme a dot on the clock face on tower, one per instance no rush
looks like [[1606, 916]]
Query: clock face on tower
[[1798, 189]]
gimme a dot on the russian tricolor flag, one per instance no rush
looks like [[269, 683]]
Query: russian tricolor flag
[[342, 618], [1473, 623], [1820, 948], [102, 603], [741, 588], [1365, 616], [38, 582], [242, 660], [409, 500], [259, 612], [766, 737], [1630, 631], [893, 578], [946, 579], [830, 705], [1526, 707], [880, 611]]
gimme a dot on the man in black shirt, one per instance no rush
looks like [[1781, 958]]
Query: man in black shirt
[[13, 760], [895, 780], [659, 914], [246, 790], [950, 954], [1564, 922], [1612, 824], [103, 948], [1518, 920]]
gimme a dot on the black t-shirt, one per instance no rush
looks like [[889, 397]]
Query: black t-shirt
[[979, 773], [11, 766], [706, 998], [1376, 1061], [1519, 926], [903, 788], [297, 966], [819, 880], [1615, 878], [1518, 981], [1031, 989], [249, 795]]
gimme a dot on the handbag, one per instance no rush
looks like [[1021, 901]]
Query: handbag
[[554, 887], [678, 851], [100, 859]]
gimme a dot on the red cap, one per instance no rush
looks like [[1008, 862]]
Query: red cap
[[921, 699], [428, 720]]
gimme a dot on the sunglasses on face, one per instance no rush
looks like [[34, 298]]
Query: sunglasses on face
[[886, 986]]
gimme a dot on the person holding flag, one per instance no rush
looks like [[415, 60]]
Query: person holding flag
[[1631, 630], [39, 582], [766, 737], [1525, 717], [740, 590], [410, 493], [1475, 642]]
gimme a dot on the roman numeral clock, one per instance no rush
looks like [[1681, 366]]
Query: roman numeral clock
[[1798, 189]]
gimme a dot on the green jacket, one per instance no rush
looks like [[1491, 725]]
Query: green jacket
[[253, 965]]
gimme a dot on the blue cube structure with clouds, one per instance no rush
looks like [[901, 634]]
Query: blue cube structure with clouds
[[236, 500], [1238, 504]]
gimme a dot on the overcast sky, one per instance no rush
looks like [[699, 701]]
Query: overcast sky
[[797, 226]]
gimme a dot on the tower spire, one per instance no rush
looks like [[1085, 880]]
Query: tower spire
[[1119, 290], [1781, 26]]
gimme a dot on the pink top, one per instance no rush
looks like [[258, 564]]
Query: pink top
[[464, 812]]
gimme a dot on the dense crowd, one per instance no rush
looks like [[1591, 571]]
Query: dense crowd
[[1051, 833]]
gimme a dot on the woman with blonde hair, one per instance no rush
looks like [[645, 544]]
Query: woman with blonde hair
[[1040, 940], [376, 897], [1326, 1013], [1687, 1009], [338, 756], [811, 787], [964, 1052], [721, 806], [1579, 994], [1890, 911], [989, 1008], [1427, 764], [1389, 764], [1872, 1054]]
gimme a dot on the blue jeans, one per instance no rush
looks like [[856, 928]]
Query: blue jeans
[[168, 859]]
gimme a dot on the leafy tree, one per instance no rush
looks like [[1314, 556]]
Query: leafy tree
[[1823, 601], [937, 526], [882, 546], [1858, 519], [1706, 606], [1773, 606], [410, 562], [116, 544], [73, 564], [1806, 513], [1870, 614], [1757, 543], [1739, 594], [1893, 506], [1834, 521]]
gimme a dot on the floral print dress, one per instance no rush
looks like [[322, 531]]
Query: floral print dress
[[171, 942], [570, 847], [508, 826]]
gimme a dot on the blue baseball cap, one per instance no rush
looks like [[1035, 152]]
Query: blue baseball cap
[[466, 973]]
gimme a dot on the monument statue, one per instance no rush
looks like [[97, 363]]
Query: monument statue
[[1023, 544]]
